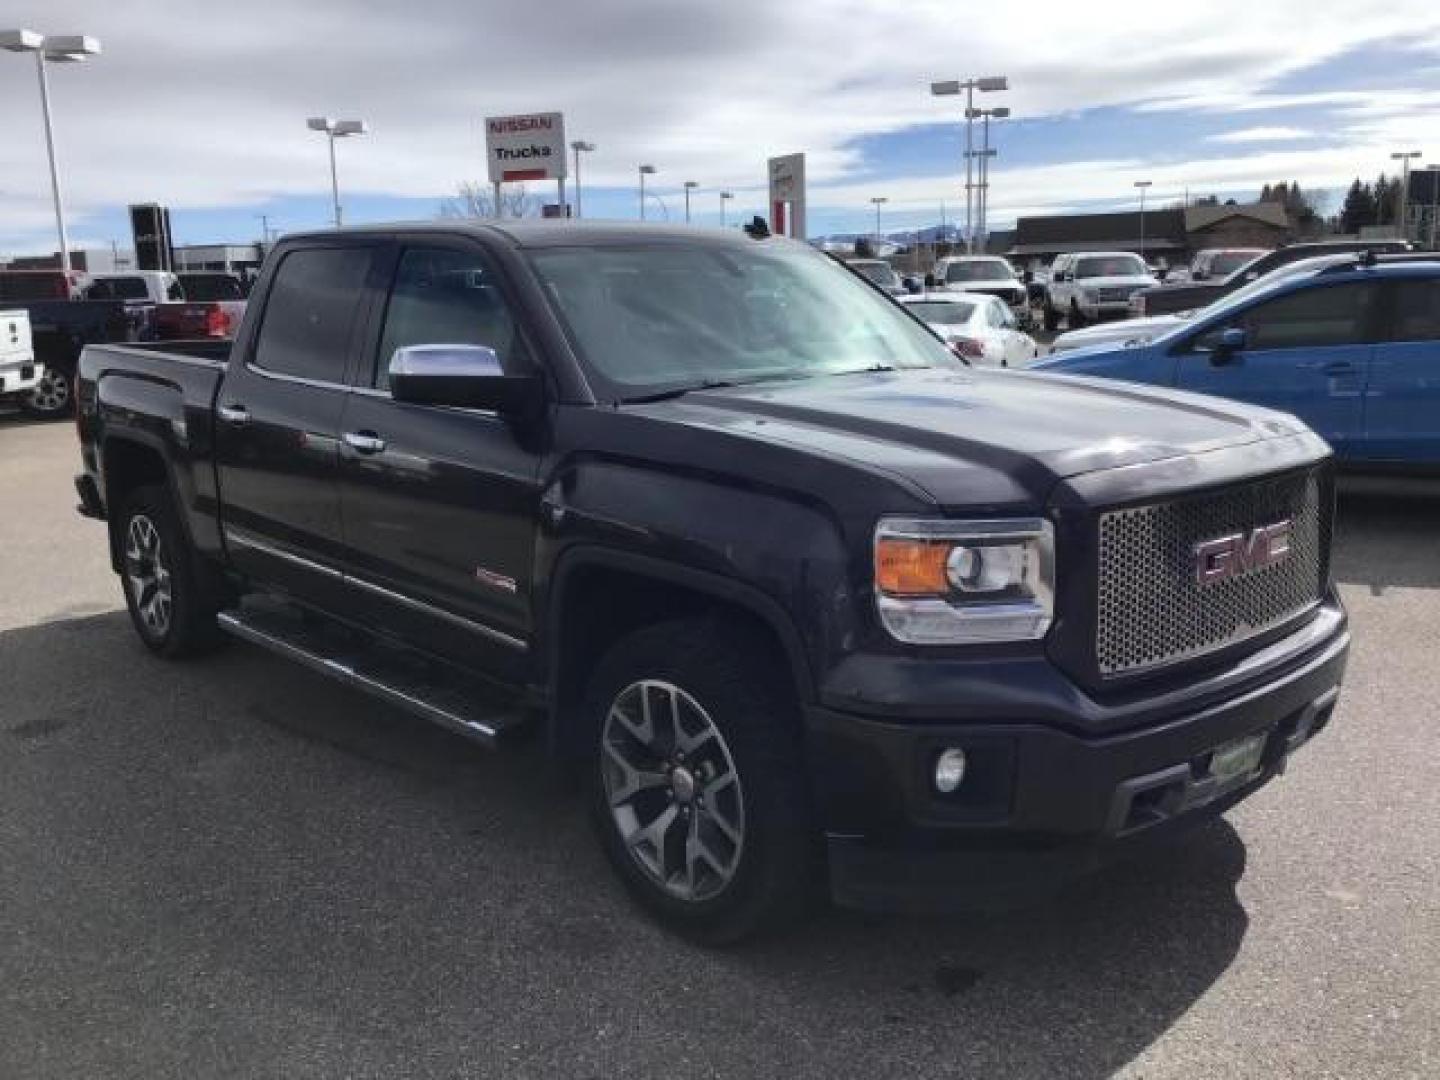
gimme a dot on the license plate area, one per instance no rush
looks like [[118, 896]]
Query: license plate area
[[1238, 760], [1148, 800]]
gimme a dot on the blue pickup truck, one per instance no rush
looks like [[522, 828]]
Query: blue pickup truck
[[1353, 350]]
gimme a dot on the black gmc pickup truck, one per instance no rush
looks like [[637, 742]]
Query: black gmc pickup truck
[[796, 595]]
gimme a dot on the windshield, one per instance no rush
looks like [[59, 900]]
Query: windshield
[[211, 287], [881, 273], [1110, 266], [979, 270], [945, 314], [1227, 262], [683, 316]]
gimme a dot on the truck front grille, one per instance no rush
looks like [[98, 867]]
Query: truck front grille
[[1116, 294], [1154, 609]]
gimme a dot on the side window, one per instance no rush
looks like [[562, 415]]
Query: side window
[[1417, 311], [444, 296], [174, 291], [1331, 315], [311, 311], [100, 290]]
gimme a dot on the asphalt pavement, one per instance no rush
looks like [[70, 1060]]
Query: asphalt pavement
[[234, 868]]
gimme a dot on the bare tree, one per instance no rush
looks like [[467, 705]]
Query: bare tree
[[476, 200]]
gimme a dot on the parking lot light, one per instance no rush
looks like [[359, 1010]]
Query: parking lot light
[[690, 185], [1143, 185], [645, 170], [725, 196], [1405, 157], [879, 201], [336, 129], [579, 146], [65, 48], [986, 84]]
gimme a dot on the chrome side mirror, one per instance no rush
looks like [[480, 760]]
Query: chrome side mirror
[[464, 376]]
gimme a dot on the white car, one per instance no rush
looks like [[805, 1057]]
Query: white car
[[1092, 285], [980, 274], [19, 373], [980, 328]]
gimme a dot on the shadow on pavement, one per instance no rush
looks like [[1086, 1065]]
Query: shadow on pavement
[[234, 867], [1384, 538]]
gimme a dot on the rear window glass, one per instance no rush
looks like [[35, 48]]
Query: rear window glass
[[946, 314], [211, 287], [24, 286]]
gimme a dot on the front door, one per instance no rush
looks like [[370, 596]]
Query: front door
[[440, 504], [1402, 401], [1306, 352], [278, 421]]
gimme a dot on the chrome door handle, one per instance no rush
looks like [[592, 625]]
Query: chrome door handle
[[364, 442], [233, 414]]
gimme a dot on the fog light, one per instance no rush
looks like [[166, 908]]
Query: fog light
[[949, 770]]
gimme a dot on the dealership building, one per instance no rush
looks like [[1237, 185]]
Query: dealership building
[[1171, 236]]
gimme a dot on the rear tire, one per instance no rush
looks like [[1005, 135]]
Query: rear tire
[[696, 782], [53, 397], [172, 597]]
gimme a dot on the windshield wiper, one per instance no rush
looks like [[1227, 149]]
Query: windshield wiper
[[681, 391]]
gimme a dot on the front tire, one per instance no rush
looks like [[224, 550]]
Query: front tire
[[696, 782], [53, 397], [170, 597]]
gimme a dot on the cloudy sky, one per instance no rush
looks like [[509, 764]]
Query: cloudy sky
[[201, 105]]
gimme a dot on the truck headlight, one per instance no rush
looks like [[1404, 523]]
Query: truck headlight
[[952, 582]]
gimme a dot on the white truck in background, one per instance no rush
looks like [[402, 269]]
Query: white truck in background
[[19, 373]]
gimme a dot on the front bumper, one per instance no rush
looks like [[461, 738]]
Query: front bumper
[[1046, 804]]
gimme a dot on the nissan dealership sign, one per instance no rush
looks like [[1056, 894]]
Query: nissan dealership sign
[[528, 147]]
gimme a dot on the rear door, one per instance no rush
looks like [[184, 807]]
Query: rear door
[[1402, 400], [278, 419], [1307, 352], [440, 504]]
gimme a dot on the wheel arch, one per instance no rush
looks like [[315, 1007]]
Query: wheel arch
[[129, 461], [582, 607]]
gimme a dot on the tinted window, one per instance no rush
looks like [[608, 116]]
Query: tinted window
[[1227, 262], [979, 270], [446, 297], [1110, 266], [880, 273], [211, 287], [310, 313], [1333, 315], [124, 288], [1417, 311], [29, 286], [946, 314]]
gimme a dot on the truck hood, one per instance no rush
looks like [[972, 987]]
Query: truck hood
[[941, 430]]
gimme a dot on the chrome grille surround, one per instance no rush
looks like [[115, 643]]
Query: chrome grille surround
[[1151, 608]]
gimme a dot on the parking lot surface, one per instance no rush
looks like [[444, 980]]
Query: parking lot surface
[[233, 867]]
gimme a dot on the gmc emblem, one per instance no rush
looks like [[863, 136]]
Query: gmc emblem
[[1226, 557]]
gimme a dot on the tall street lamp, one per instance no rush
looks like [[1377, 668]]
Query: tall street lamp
[[1405, 157], [645, 170], [579, 146], [69, 48], [988, 84], [336, 129], [690, 185], [1142, 185], [725, 196], [879, 201], [985, 154]]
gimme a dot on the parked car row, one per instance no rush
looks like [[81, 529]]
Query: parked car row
[[67, 311]]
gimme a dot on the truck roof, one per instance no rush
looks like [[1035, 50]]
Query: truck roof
[[542, 233]]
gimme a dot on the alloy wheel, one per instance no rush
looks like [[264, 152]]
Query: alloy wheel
[[52, 393], [147, 577], [673, 790]]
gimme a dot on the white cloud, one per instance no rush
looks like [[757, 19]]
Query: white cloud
[[1262, 135], [203, 105]]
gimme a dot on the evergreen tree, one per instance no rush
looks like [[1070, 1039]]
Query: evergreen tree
[[1359, 208]]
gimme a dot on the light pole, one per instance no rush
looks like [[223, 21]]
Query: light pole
[[879, 201], [988, 84], [70, 48], [1405, 157], [985, 155], [645, 170], [580, 147], [1142, 185], [1434, 201], [725, 196], [337, 129], [690, 185]]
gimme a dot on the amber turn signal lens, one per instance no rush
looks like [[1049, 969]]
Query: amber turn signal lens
[[911, 567]]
